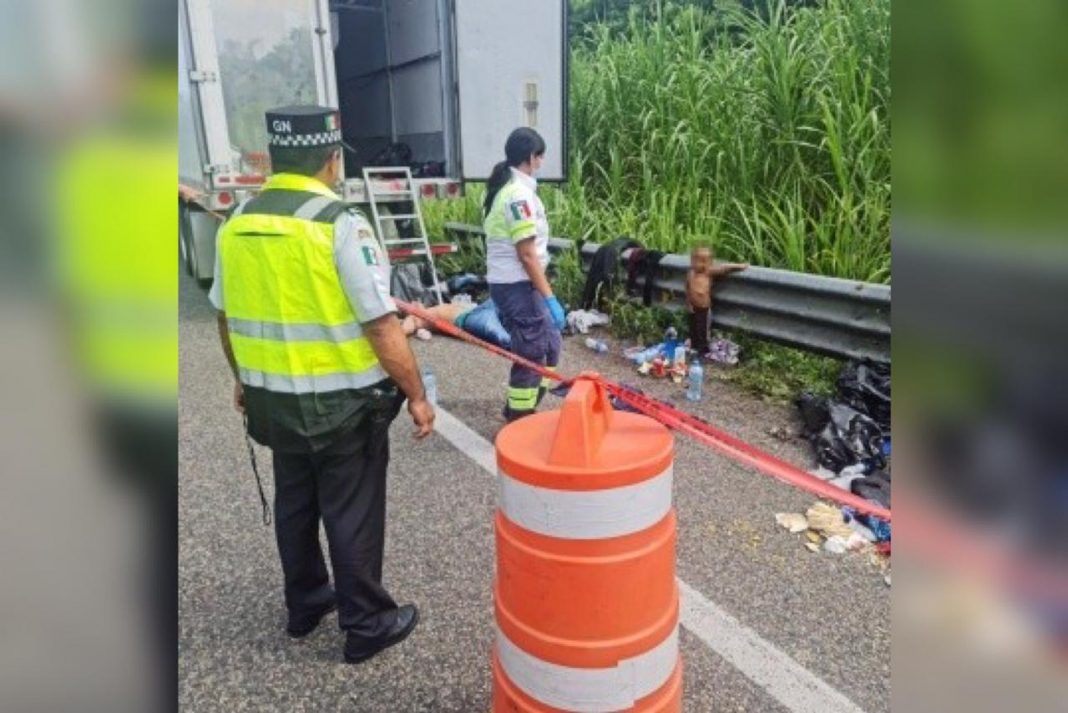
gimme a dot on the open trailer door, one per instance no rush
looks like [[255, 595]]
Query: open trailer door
[[250, 56], [511, 70]]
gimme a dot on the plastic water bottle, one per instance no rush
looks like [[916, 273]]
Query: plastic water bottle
[[596, 345], [695, 381], [680, 356], [430, 386], [647, 354], [671, 340]]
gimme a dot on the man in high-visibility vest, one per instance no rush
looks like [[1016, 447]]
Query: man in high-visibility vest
[[322, 367]]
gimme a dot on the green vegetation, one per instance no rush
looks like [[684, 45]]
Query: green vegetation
[[766, 131]]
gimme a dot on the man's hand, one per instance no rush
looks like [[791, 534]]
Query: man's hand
[[422, 416], [239, 397]]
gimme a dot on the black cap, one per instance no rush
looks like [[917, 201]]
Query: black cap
[[303, 126]]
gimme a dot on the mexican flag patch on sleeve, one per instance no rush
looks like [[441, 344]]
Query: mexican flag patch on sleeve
[[520, 210], [370, 255]]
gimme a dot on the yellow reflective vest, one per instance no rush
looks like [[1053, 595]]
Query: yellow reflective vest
[[291, 325]]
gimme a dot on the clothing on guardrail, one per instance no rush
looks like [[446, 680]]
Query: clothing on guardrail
[[604, 271]]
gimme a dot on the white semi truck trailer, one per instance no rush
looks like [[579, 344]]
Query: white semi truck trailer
[[433, 85]]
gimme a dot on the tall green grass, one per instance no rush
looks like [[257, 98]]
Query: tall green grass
[[768, 133]]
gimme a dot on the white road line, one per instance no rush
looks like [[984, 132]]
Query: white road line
[[771, 668], [762, 662]]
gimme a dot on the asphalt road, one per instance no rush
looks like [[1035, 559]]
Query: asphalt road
[[768, 626]]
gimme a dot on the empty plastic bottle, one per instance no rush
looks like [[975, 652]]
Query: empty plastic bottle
[[430, 385], [647, 354], [596, 345], [695, 381]]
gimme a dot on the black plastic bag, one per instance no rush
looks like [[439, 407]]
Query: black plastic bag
[[865, 386], [848, 437], [814, 414], [874, 487]]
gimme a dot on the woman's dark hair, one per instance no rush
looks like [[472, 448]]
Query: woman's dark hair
[[521, 143]]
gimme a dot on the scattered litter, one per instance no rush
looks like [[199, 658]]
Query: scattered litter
[[828, 521], [875, 487], [780, 432], [863, 531], [823, 474], [812, 547], [857, 541], [841, 481], [836, 544], [866, 387], [887, 579], [642, 355], [793, 521], [661, 367], [881, 528], [813, 536], [580, 320], [422, 334], [723, 351], [596, 345]]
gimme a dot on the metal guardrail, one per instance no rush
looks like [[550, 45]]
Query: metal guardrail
[[462, 232], [841, 318], [828, 315]]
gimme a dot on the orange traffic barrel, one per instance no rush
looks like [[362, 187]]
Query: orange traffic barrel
[[587, 608]]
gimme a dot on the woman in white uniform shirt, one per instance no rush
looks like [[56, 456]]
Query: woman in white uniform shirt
[[517, 252]]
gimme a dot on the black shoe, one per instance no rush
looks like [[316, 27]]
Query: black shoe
[[360, 648], [299, 627]]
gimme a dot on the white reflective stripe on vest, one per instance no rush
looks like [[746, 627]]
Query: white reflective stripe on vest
[[301, 332], [585, 514], [590, 690], [311, 208], [288, 384]]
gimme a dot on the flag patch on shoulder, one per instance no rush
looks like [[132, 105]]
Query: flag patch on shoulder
[[370, 255], [520, 209]]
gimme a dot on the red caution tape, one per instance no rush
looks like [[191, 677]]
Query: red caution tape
[[688, 424]]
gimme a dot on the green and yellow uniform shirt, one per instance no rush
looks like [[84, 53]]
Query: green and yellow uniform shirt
[[517, 214]]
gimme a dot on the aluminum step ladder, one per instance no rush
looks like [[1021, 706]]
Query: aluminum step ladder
[[416, 247]]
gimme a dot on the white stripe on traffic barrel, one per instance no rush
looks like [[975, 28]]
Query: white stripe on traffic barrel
[[585, 514], [590, 690]]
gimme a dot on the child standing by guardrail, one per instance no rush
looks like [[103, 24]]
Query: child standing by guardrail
[[699, 292]]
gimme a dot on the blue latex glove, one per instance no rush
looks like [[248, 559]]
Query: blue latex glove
[[556, 311]]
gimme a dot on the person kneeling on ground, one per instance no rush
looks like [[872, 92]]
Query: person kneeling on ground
[[699, 293], [481, 321]]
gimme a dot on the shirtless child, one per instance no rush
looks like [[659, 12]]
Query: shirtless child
[[699, 293]]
